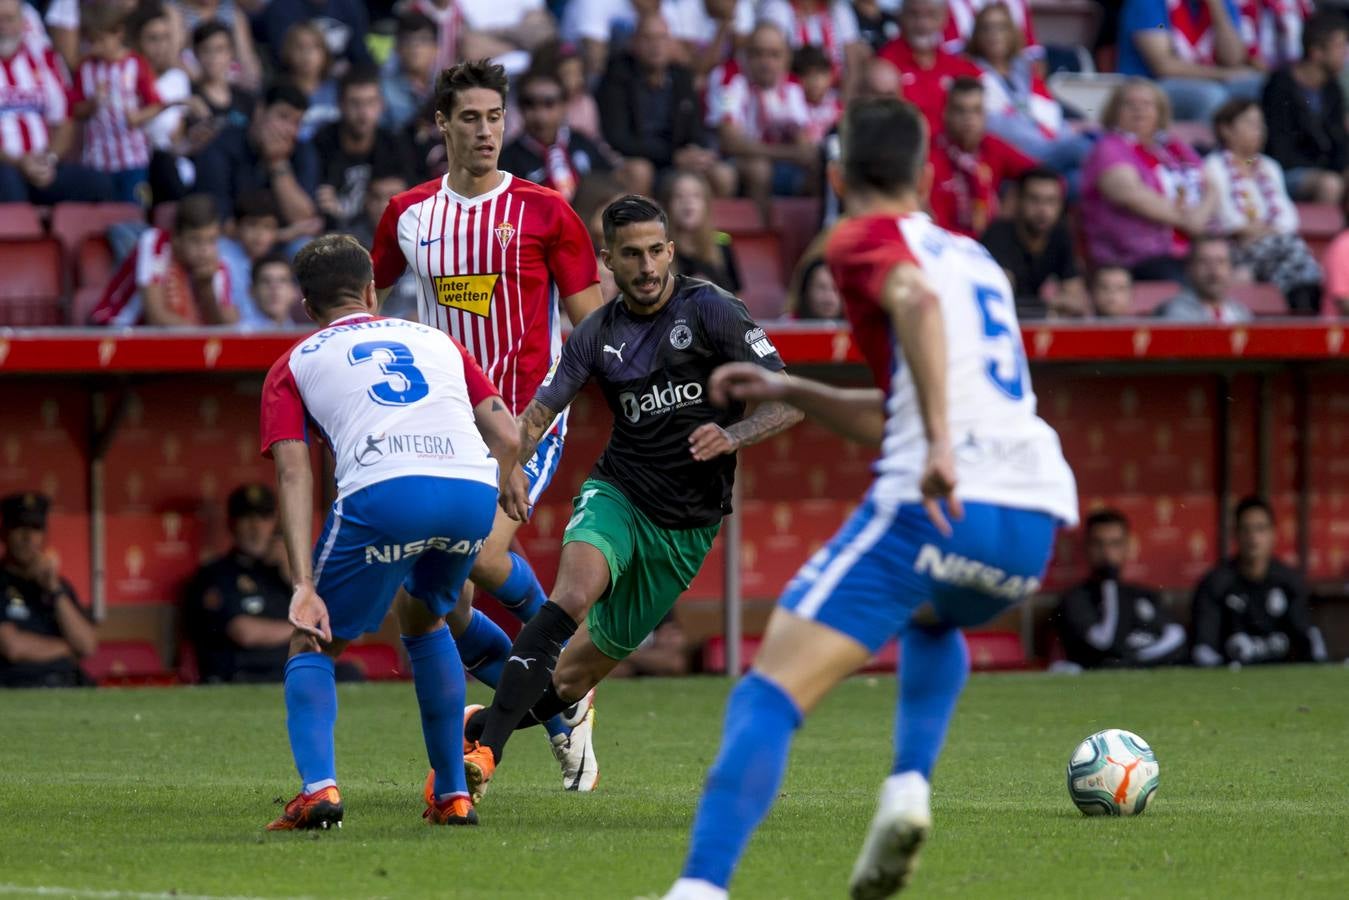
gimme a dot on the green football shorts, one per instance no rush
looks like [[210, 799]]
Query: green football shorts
[[649, 566]]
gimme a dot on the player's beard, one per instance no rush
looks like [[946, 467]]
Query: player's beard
[[642, 301]]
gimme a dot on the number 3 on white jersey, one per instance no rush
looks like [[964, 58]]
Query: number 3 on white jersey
[[406, 382], [1004, 356]]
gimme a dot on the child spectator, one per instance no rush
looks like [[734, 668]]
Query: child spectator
[[275, 294], [257, 234], [218, 100], [813, 295], [816, 76], [172, 279], [115, 92], [410, 75], [1112, 292], [306, 61], [151, 32]]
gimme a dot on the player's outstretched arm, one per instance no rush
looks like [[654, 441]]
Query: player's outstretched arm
[[915, 312], [295, 495], [764, 420], [856, 414]]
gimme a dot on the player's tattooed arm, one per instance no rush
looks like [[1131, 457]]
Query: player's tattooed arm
[[534, 423], [857, 414], [764, 420]]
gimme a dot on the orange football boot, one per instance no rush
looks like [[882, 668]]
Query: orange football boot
[[321, 809], [479, 764], [429, 788], [453, 811]]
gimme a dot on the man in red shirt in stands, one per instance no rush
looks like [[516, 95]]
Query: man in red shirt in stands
[[926, 70], [968, 164], [35, 125]]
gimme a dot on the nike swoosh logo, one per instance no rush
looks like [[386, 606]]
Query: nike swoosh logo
[[522, 661], [425, 243]]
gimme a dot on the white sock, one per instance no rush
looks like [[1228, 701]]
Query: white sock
[[695, 889]]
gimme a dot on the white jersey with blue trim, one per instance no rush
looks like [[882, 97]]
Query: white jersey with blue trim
[[1005, 453], [391, 398]]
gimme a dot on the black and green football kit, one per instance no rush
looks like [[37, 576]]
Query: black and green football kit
[[648, 505]]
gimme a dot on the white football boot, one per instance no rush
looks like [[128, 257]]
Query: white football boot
[[576, 752], [901, 825], [695, 889]]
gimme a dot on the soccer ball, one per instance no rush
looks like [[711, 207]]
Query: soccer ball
[[1113, 773]]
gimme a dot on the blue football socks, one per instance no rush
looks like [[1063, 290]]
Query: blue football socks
[[485, 648], [311, 714], [933, 666], [744, 781], [521, 593], [438, 676]]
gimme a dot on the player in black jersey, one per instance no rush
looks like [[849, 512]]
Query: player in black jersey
[[647, 516]]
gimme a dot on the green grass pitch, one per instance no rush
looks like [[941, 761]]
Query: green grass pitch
[[126, 793]]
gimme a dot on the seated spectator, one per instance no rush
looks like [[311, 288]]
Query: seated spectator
[[813, 296], [507, 31], [583, 112], [663, 654], [1112, 292], [306, 64], [401, 303], [354, 150], [345, 24], [830, 25], [154, 33], [1304, 109], [824, 108], [963, 22], [1255, 211], [1208, 278], [547, 153], [879, 79], [925, 69], [1192, 48], [265, 154], [236, 608], [1020, 108], [43, 628], [1035, 248], [172, 279], [652, 111], [1106, 622], [708, 31], [409, 79], [1253, 608], [969, 165], [700, 250], [1144, 195], [256, 233], [59, 28], [218, 102], [763, 123], [115, 96], [192, 14], [275, 294], [594, 24], [876, 25], [35, 126]]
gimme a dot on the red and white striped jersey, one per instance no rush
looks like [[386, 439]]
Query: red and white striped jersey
[[490, 271], [121, 87], [391, 398], [960, 23], [32, 93], [152, 262]]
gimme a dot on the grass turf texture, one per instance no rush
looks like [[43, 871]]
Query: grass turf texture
[[159, 790]]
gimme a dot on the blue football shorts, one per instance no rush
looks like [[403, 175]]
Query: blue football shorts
[[418, 531], [887, 560]]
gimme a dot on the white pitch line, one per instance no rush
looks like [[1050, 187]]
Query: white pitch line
[[50, 891]]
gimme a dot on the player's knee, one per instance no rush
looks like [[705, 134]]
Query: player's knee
[[572, 682], [574, 601], [492, 567]]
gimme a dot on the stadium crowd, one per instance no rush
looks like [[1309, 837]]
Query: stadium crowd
[[245, 128]]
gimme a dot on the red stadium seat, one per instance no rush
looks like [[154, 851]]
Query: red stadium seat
[[83, 303], [714, 653], [1066, 23], [797, 223], [1148, 295], [735, 214], [73, 223], [127, 662], [995, 650], [163, 215], [1263, 299], [1319, 223], [31, 289], [94, 263], [378, 662], [758, 255], [20, 221]]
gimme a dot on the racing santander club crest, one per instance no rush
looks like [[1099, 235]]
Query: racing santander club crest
[[505, 231]]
